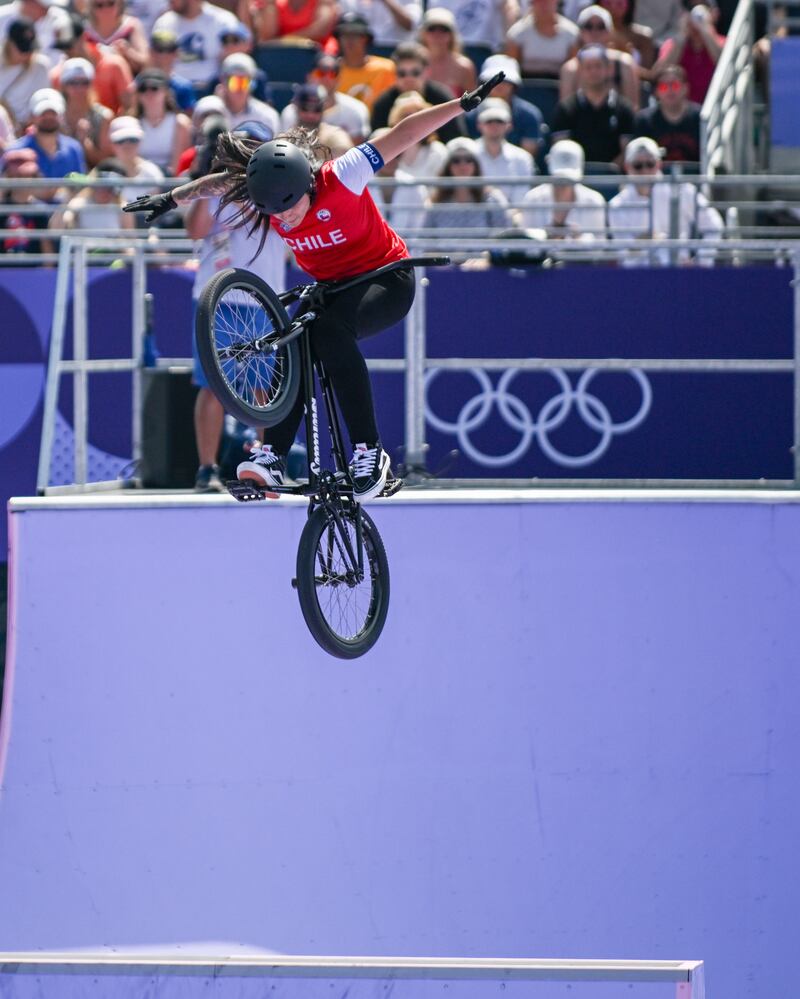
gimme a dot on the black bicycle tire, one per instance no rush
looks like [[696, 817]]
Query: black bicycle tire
[[323, 633], [276, 412]]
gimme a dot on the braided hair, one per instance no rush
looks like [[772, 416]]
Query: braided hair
[[233, 153]]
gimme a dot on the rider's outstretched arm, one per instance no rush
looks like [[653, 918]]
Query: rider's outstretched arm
[[417, 126], [159, 204]]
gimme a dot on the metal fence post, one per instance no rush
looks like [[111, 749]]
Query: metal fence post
[[80, 339], [138, 290], [796, 375], [415, 377]]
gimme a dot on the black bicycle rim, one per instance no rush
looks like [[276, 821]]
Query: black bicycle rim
[[345, 616]]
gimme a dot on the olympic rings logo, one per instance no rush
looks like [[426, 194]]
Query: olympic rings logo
[[553, 414]]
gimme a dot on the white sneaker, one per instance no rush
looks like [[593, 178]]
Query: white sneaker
[[264, 467], [369, 469]]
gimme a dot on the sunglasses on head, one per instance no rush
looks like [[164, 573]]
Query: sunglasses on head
[[666, 85], [643, 165], [402, 73]]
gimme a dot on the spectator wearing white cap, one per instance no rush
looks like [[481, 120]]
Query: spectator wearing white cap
[[483, 22], [125, 135], [198, 25], [85, 119], [541, 41], [596, 26], [644, 210], [595, 116], [47, 17], [447, 64], [497, 156], [391, 21], [23, 70], [526, 118], [167, 132], [57, 154], [112, 74], [565, 208], [237, 75]]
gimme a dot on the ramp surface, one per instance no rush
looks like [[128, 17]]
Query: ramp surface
[[577, 737]]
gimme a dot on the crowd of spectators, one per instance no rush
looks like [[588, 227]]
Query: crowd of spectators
[[138, 92]]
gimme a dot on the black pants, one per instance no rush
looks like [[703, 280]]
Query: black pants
[[347, 318]]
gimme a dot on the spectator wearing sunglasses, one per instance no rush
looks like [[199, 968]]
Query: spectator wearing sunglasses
[[239, 41], [467, 206], [237, 74], [163, 56], [126, 137], [674, 122], [309, 104], [596, 28], [341, 110], [109, 26], [361, 75], [497, 156], [697, 47], [526, 118], [166, 131], [198, 25], [565, 208], [411, 69], [643, 210], [85, 119], [447, 64]]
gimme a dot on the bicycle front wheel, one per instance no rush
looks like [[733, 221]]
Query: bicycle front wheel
[[238, 317], [345, 610]]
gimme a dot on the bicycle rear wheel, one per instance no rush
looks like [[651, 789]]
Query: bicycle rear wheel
[[344, 614], [238, 316]]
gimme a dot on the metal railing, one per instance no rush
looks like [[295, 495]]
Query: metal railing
[[414, 367]]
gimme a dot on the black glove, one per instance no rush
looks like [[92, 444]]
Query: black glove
[[156, 204], [471, 100]]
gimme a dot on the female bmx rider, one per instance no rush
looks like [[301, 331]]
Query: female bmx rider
[[325, 214]]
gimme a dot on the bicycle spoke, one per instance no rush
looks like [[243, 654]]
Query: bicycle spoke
[[345, 603]]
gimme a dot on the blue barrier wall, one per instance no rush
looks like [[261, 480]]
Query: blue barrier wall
[[578, 736], [545, 425]]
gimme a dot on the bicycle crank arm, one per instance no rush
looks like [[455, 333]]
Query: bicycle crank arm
[[273, 346]]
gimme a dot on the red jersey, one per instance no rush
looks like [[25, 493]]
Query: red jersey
[[343, 234]]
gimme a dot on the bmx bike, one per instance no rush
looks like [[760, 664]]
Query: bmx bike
[[256, 359]]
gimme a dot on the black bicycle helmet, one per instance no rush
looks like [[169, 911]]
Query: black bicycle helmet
[[278, 175]]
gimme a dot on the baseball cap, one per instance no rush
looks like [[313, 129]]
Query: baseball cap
[[310, 96], [238, 30], [47, 99], [493, 109], [164, 40], [595, 10], [352, 23], [566, 159], [125, 127], [77, 70], [238, 64], [22, 33], [501, 64], [462, 144], [210, 104], [152, 76], [439, 16], [644, 144], [68, 31]]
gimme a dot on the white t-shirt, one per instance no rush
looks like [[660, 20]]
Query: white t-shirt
[[18, 85], [428, 161], [224, 247], [479, 22], [536, 48], [256, 110], [347, 113], [513, 161], [384, 27], [199, 47], [406, 209], [586, 218], [147, 11], [147, 171]]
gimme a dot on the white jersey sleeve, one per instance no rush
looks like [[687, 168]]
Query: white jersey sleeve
[[355, 168]]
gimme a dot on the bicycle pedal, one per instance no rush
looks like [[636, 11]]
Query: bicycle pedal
[[248, 492], [393, 485]]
